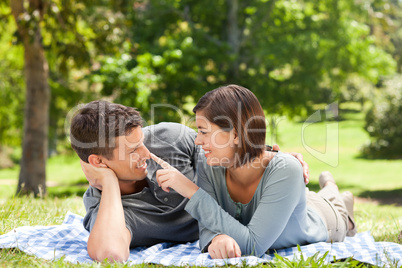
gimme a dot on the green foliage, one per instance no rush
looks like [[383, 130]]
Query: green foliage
[[162, 56], [12, 93], [384, 121], [287, 52], [314, 261], [357, 89], [385, 20]]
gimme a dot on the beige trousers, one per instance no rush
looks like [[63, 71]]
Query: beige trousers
[[329, 204]]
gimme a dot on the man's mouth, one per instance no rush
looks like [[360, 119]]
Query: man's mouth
[[143, 165]]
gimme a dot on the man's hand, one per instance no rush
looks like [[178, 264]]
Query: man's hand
[[223, 246], [169, 177], [306, 171], [97, 175]]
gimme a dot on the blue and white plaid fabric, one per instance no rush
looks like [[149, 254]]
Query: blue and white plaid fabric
[[69, 240]]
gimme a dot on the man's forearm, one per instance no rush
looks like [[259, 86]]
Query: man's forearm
[[109, 237]]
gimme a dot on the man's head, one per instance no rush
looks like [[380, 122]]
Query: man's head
[[105, 134]]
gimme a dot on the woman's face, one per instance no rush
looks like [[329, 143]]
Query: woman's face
[[219, 145]]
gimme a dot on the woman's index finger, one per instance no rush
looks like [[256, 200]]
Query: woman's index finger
[[162, 163]]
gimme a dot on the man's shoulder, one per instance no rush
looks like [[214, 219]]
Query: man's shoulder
[[169, 127], [168, 134]]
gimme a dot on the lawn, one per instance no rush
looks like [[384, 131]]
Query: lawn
[[325, 145]]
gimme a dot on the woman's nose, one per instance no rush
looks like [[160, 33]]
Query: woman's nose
[[198, 140]]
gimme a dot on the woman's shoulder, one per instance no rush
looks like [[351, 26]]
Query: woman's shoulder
[[284, 163], [283, 160]]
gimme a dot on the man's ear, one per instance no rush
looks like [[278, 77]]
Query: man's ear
[[96, 160]]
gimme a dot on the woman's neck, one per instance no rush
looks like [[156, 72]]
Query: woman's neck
[[243, 181], [251, 171]]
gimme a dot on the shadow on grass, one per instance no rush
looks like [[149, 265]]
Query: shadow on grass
[[380, 197], [373, 157], [67, 191], [384, 197], [343, 115], [72, 188]]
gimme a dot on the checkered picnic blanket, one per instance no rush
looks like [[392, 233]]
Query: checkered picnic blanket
[[69, 240]]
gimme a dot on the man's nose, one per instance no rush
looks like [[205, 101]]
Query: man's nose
[[146, 154]]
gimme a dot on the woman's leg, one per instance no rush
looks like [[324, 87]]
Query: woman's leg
[[343, 202], [329, 203], [348, 199]]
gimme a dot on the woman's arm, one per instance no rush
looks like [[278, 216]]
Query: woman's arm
[[274, 210], [170, 177]]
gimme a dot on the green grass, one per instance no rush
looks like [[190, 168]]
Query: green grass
[[64, 177], [377, 183], [335, 146]]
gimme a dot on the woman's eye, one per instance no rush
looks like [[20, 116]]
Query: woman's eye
[[203, 132]]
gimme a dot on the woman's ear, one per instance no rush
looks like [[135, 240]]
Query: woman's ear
[[96, 160], [236, 137]]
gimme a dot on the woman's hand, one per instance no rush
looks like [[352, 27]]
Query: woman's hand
[[306, 171], [96, 176], [223, 246], [169, 177]]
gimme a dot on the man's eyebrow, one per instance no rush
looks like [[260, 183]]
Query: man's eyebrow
[[136, 145], [129, 148]]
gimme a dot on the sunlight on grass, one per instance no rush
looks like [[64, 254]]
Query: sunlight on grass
[[64, 177], [383, 221], [321, 143], [341, 145], [15, 212]]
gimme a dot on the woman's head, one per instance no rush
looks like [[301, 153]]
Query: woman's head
[[235, 108]]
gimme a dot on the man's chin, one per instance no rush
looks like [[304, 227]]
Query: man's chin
[[134, 179]]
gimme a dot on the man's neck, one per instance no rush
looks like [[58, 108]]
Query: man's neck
[[132, 187]]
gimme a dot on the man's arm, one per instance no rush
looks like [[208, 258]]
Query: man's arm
[[306, 171], [109, 237]]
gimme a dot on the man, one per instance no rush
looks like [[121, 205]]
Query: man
[[125, 207]]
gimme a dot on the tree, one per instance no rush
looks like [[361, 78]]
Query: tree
[[57, 36], [384, 121], [32, 176], [287, 52]]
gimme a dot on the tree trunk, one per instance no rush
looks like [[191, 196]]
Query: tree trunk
[[32, 178], [233, 37]]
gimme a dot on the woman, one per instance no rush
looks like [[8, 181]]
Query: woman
[[250, 200]]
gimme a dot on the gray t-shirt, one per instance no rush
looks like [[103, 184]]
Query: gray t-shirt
[[276, 217], [153, 215]]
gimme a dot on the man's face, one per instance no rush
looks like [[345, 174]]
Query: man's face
[[129, 157]]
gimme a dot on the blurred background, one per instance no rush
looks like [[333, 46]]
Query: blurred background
[[339, 61]]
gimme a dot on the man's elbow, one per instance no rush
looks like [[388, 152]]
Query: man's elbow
[[108, 253]]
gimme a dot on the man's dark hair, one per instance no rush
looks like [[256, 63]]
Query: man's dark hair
[[95, 127]]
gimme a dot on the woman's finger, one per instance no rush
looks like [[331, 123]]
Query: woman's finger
[[162, 163]]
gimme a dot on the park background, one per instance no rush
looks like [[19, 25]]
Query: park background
[[327, 73]]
